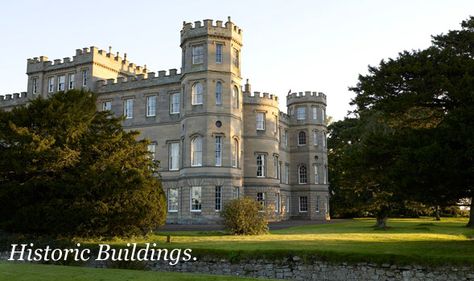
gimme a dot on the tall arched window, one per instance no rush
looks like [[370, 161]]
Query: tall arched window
[[197, 93], [235, 153], [302, 174], [301, 138], [235, 97], [196, 151], [218, 93]]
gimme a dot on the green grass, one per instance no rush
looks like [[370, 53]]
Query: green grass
[[422, 241], [35, 272]]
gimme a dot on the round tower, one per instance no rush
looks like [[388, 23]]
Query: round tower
[[211, 116], [308, 153]]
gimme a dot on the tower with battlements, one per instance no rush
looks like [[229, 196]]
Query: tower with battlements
[[214, 138]]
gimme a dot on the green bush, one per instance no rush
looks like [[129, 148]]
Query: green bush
[[245, 216]]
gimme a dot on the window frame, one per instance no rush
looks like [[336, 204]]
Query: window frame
[[51, 84], [301, 113], [175, 103], [235, 153], [152, 150], [197, 94], [61, 86], [172, 157], [85, 77], [219, 56], [303, 203], [301, 137], [196, 143], [302, 174], [170, 205], [218, 151], [198, 208], [197, 57], [260, 122], [71, 81], [261, 198], [261, 166], [218, 198], [151, 106], [126, 103], [218, 93]]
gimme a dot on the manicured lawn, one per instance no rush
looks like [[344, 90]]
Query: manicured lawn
[[35, 272], [422, 241]]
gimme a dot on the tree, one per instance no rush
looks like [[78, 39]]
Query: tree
[[66, 169], [361, 158], [427, 97]]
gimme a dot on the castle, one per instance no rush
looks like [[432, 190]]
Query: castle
[[214, 139]]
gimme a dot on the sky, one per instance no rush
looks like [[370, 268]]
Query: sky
[[299, 45]]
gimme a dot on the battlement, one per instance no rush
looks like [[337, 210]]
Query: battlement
[[141, 80], [304, 97], [284, 117], [84, 55], [260, 98], [208, 27], [13, 99]]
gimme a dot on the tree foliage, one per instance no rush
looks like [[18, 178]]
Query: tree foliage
[[67, 169], [425, 99]]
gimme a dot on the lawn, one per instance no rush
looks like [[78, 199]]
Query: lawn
[[30, 272], [422, 241]]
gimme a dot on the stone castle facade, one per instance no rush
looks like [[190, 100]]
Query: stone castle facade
[[214, 139]]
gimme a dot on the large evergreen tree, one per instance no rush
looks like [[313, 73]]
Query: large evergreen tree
[[67, 169], [426, 98]]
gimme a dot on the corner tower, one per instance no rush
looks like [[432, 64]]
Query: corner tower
[[211, 115], [308, 155]]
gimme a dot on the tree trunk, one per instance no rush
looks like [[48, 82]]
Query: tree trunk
[[471, 214], [381, 222], [437, 213]]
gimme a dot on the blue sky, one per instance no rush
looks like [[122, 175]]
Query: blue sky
[[298, 45]]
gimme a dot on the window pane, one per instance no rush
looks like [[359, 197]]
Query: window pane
[[303, 204], [218, 93], [196, 151], [260, 121], [218, 198], [260, 165], [128, 108], [198, 54], [172, 200], [218, 53], [196, 198], [197, 97], [151, 106], [218, 151]]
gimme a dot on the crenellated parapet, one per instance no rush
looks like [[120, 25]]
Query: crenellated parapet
[[209, 28], [15, 99], [285, 118], [83, 56], [258, 98], [305, 97], [141, 80]]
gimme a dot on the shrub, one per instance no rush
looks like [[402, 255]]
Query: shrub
[[245, 216]]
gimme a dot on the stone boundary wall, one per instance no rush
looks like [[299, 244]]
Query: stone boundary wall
[[297, 269]]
